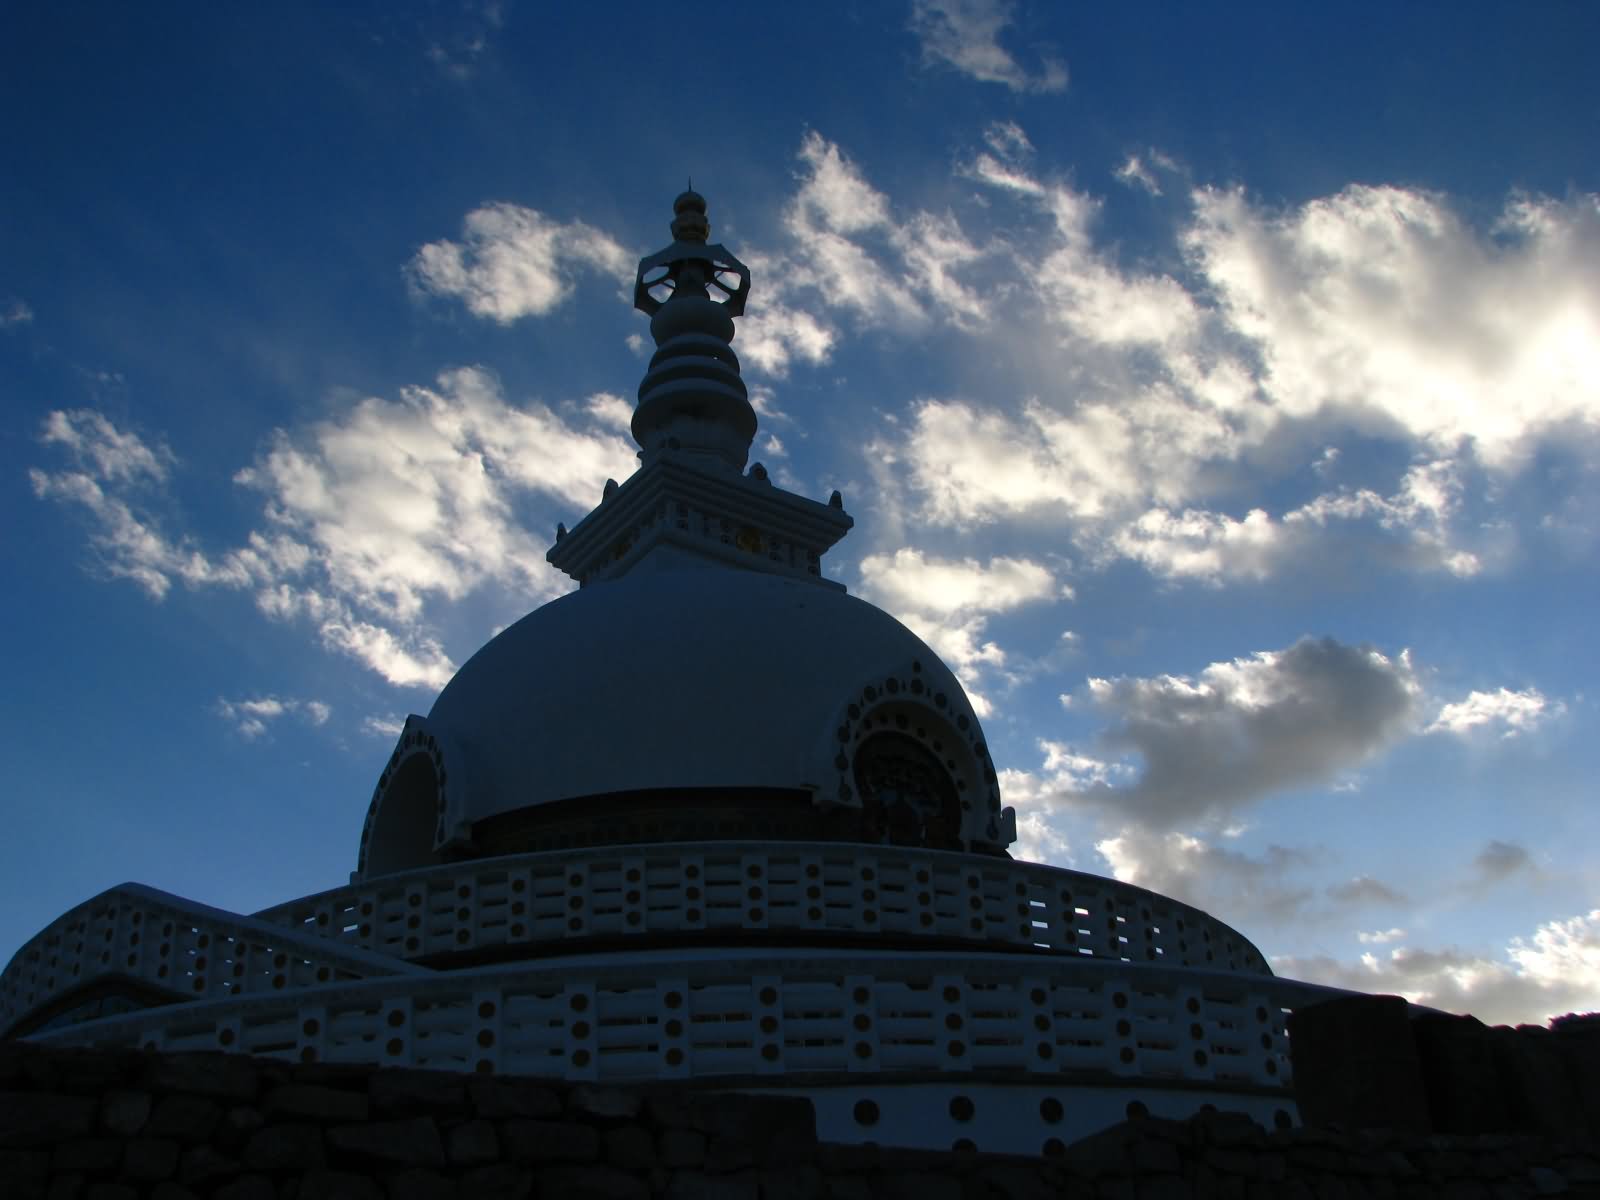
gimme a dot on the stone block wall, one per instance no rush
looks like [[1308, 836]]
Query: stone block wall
[[125, 1125], [1363, 1062]]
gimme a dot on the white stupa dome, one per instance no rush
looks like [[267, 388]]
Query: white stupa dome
[[753, 695]]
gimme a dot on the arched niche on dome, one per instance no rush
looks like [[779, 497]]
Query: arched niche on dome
[[410, 822], [911, 757], [908, 797]]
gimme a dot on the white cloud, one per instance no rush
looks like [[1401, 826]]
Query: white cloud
[[1246, 728], [964, 34], [834, 196], [996, 172], [251, 718], [1409, 529], [1380, 937], [1555, 971], [848, 250], [1370, 312], [1043, 798], [908, 579], [397, 503], [610, 411], [1141, 391], [514, 262], [946, 602], [1381, 305], [772, 335], [1038, 839], [388, 725], [372, 519], [408, 659], [14, 312], [1084, 291], [1513, 712], [402, 499]]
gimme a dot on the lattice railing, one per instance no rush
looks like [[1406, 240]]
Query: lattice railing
[[569, 896], [174, 945]]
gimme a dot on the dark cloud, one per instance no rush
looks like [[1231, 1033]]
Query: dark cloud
[[1250, 727], [1246, 889], [1364, 890], [1500, 860]]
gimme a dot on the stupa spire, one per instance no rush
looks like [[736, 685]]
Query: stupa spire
[[691, 502], [692, 399]]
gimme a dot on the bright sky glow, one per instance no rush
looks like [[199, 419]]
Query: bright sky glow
[[1217, 389]]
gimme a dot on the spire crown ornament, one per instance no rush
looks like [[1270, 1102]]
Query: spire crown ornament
[[691, 265], [692, 399], [689, 222]]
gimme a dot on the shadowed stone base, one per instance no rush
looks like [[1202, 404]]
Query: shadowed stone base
[[131, 1126]]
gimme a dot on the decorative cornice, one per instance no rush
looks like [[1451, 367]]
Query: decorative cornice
[[736, 520]]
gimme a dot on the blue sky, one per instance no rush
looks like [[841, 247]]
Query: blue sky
[[1216, 388]]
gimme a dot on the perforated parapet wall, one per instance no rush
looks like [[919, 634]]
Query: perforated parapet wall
[[528, 904], [761, 888], [900, 977]]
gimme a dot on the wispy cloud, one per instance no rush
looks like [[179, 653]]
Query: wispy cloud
[[253, 717], [1140, 171], [1380, 937], [372, 520], [117, 479], [1141, 393], [1365, 890], [965, 35], [387, 725], [114, 455], [13, 312], [458, 51]]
